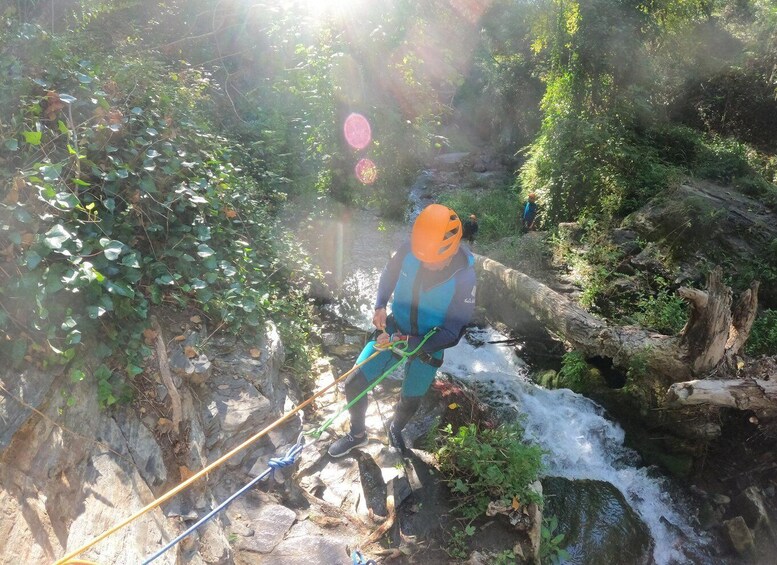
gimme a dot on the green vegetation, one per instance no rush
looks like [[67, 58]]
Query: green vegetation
[[575, 373], [139, 178], [497, 211], [665, 313], [486, 465], [124, 196], [551, 541], [763, 336], [147, 164]]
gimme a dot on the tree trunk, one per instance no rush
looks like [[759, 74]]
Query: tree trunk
[[709, 343], [744, 394]]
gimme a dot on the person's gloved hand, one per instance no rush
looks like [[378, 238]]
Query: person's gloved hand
[[379, 318], [385, 339]]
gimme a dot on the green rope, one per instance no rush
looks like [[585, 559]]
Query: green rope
[[398, 347]]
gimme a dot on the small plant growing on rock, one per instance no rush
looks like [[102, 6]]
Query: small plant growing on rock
[[483, 467], [574, 372], [550, 542]]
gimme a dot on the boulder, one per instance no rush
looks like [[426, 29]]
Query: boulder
[[596, 520], [451, 161], [751, 506], [739, 535]]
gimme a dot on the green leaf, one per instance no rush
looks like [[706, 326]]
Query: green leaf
[[148, 185], [95, 312], [103, 373], [62, 127], [50, 172], [11, 144], [470, 530], [120, 289], [133, 370], [204, 251], [22, 215], [56, 237], [33, 137], [18, 351], [131, 260], [77, 375], [229, 269], [67, 200], [112, 249]]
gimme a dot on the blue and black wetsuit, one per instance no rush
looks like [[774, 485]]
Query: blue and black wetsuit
[[422, 300], [529, 214]]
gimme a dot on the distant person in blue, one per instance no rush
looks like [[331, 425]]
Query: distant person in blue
[[529, 217], [432, 280]]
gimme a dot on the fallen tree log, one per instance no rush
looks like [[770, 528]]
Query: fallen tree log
[[709, 344], [743, 394]]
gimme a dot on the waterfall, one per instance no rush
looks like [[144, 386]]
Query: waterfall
[[579, 440]]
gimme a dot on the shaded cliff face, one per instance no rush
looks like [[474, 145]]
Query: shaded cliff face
[[69, 473], [704, 223]]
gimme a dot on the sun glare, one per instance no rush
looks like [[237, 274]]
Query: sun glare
[[319, 9]]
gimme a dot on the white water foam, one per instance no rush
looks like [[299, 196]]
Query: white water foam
[[581, 442]]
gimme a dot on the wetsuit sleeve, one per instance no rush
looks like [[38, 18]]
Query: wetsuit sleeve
[[390, 275], [459, 314]]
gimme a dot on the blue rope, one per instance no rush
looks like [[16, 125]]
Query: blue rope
[[358, 558], [274, 464]]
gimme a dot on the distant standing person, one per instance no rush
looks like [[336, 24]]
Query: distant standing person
[[529, 216], [470, 228]]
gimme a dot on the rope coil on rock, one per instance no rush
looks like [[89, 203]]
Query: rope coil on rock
[[274, 464]]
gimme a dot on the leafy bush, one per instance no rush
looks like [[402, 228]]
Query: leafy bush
[[122, 196], [485, 465], [763, 336], [574, 372], [664, 312]]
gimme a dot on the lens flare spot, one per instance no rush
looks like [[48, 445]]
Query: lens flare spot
[[366, 171], [357, 131]]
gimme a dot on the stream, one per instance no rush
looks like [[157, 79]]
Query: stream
[[583, 445]]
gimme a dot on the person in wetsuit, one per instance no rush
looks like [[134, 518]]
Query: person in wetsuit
[[470, 226], [530, 210], [432, 281]]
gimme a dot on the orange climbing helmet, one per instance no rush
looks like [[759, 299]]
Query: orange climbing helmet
[[436, 234], [532, 197]]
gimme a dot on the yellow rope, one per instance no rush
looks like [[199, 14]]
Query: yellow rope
[[175, 490]]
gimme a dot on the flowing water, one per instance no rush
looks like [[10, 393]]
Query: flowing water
[[580, 440]]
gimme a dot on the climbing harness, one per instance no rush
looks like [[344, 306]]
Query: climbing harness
[[220, 461], [358, 558], [397, 347], [400, 349], [274, 464]]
